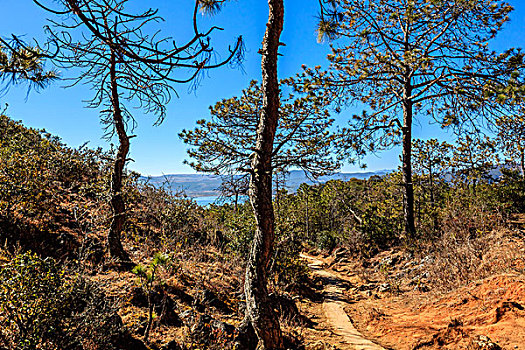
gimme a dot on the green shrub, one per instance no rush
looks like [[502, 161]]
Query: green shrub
[[287, 268], [148, 279], [40, 308], [31, 295], [511, 191], [44, 186]]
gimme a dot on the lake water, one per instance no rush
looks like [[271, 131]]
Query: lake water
[[204, 201], [207, 200]]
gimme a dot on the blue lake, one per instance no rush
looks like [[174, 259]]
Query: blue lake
[[204, 201], [207, 200]]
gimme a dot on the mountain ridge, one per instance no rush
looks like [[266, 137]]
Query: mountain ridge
[[204, 185]]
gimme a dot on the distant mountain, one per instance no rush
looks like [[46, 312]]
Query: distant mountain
[[203, 185]]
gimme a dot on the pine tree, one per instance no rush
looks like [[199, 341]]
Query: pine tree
[[412, 59], [125, 65]]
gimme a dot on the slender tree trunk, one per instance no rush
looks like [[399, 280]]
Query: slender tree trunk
[[433, 201], [117, 201], [259, 309], [522, 164], [408, 197], [150, 318], [277, 198], [307, 217], [431, 177]]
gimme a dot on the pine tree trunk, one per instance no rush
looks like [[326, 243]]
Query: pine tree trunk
[[433, 202], [259, 310], [117, 201], [307, 218], [408, 196], [522, 164]]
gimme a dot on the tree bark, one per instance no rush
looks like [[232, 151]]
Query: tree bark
[[522, 164], [258, 306], [433, 201], [408, 195], [118, 205], [307, 218]]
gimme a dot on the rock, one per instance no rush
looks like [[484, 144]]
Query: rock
[[482, 342], [504, 308], [172, 345], [385, 287], [206, 297], [207, 327]]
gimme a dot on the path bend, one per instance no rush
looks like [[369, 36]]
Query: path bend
[[333, 307]]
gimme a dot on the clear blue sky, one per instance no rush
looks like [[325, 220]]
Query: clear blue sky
[[158, 150]]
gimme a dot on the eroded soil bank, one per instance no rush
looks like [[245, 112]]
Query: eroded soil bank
[[384, 306]]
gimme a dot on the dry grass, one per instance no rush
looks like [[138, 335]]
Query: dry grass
[[457, 260]]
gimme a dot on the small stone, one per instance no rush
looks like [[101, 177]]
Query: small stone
[[385, 287], [482, 342]]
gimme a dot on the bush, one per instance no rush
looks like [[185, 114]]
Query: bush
[[46, 186], [158, 213], [31, 295], [287, 268], [42, 309], [511, 191]]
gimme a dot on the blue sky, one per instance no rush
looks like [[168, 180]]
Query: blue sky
[[158, 150]]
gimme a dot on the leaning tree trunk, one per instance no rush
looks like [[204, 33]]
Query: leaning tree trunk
[[118, 205], [408, 195], [259, 311]]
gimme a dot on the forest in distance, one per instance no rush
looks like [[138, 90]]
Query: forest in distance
[[294, 251]]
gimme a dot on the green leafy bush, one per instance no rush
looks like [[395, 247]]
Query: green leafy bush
[[511, 191], [42, 309], [31, 295]]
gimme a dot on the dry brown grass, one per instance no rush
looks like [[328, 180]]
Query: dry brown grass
[[457, 260]]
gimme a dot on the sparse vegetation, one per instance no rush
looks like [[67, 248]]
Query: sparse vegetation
[[44, 307], [94, 256]]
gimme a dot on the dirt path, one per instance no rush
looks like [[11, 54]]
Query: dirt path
[[333, 307]]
